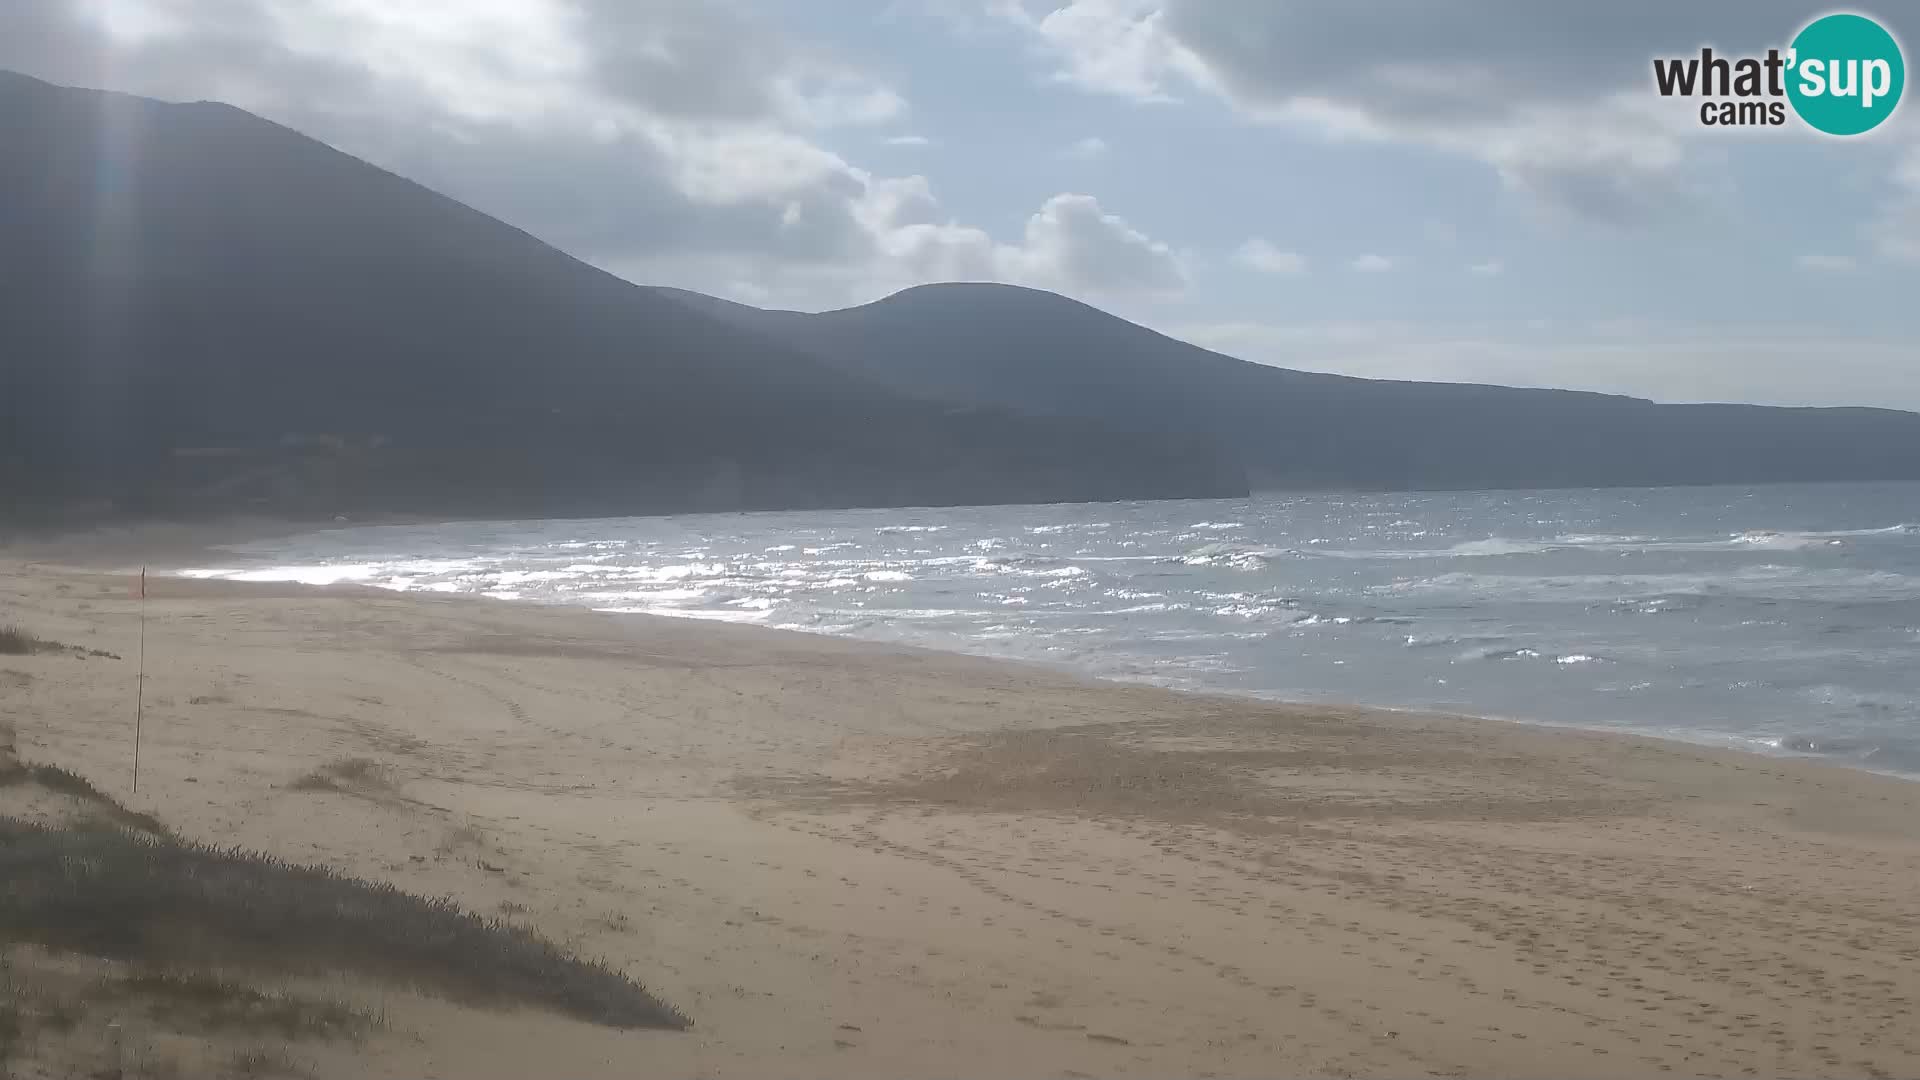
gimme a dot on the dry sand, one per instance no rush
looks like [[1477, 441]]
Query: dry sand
[[853, 861]]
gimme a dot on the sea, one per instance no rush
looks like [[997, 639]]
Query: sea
[[1780, 619]]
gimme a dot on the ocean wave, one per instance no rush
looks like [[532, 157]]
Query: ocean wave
[[1497, 652], [527, 577], [1889, 751], [1232, 556], [1668, 604], [1769, 582], [1367, 598], [1051, 530], [708, 614], [1842, 697], [1498, 546], [1327, 620], [1433, 641], [1494, 652]]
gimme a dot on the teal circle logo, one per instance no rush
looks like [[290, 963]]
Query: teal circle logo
[[1845, 74]]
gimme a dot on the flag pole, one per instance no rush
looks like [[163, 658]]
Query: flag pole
[[140, 682]]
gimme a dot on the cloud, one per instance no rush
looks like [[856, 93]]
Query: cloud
[[596, 125], [675, 141], [1377, 264], [1259, 254], [1488, 268], [1115, 46], [1557, 102], [1825, 264], [1087, 149], [1073, 244]]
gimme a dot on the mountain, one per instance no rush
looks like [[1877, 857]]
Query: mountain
[[201, 310], [1000, 346]]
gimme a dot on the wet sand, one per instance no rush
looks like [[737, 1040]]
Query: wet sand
[[849, 860]]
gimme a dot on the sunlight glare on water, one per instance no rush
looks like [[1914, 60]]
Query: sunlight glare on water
[[1783, 618]]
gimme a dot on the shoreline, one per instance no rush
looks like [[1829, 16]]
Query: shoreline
[[858, 860], [122, 548], [1751, 745]]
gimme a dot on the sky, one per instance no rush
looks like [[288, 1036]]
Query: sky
[[1461, 190]]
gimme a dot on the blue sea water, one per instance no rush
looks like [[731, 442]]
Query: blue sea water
[[1782, 618]]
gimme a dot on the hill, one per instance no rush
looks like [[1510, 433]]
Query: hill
[[203, 310], [1007, 347]]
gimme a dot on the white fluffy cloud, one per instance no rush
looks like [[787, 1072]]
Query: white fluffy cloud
[[1377, 264], [679, 139], [1072, 240]]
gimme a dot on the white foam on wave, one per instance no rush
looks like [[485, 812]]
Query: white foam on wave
[[1232, 556], [300, 575], [1146, 609], [1500, 545], [707, 614], [526, 577], [1496, 652]]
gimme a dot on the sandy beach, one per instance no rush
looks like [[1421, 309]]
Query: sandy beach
[[848, 860]]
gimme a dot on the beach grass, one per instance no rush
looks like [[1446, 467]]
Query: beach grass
[[62, 782], [167, 904], [16, 641]]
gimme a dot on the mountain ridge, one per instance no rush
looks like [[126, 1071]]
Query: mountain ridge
[[1011, 347], [204, 310]]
